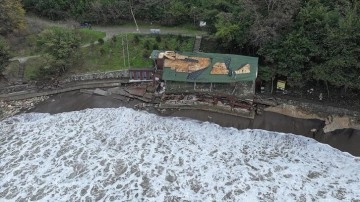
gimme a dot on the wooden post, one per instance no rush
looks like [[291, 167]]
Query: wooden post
[[253, 87], [232, 93]]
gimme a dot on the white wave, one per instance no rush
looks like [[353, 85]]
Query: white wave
[[123, 154]]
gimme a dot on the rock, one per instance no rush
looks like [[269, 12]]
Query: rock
[[170, 176], [10, 108], [86, 91], [98, 91]]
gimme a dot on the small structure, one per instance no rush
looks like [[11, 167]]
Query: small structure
[[222, 83], [141, 75], [202, 23], [213, 73], [155, 31]]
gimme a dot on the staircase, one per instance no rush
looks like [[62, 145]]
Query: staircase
[[21, 72], [197, 44]]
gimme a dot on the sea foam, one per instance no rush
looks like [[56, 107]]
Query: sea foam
[[126, 155]]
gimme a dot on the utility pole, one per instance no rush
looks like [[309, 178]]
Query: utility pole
[[132, 13], [127, 48], [123, 48]]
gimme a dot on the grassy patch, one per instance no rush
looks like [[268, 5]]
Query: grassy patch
[[89, 35], [33, 65], [26, 46], [11, 71], [113, 54], [22, 45], [121, 52]]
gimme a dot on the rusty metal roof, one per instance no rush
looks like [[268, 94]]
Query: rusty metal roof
[[207, 67]]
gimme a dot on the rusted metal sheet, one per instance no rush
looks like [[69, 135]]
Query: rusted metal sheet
[[137, 90], [136, 75]]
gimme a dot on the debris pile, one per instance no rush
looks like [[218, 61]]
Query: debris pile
[[10, 108]]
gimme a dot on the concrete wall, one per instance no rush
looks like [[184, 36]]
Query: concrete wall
[[120, 74], [239, 89]]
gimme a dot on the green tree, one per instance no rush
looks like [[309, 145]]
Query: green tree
[[61, 48], [233, 28], [176, 13], [226, 31], [12, 16], [4, 56], [270, 19], [290, 57], [341, 61], [323, 45]]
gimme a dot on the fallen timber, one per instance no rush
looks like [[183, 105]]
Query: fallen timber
[[224, 104], [214, 103], [124, 91]]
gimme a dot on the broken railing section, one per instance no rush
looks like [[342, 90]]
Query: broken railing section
[[215, 103], [242, 90], [140, 92]]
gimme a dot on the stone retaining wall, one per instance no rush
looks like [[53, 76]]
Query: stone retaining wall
[[15, 88], [120, 74]]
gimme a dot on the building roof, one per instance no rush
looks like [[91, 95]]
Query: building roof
[[207, 67]]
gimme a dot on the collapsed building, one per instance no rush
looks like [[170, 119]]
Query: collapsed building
[[227, 78]]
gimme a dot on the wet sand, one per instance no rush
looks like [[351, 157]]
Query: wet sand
[[347, 140]]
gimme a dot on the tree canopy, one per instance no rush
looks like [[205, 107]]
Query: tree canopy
[[303, 40], [4, 55], [12, 16], [61, 47]]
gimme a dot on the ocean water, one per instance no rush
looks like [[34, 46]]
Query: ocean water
[[126, 155]]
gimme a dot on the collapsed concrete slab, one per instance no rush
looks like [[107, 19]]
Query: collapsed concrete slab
[[98, 91]]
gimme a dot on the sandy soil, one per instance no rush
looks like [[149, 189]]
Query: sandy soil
[[332, 122], [344, 140]]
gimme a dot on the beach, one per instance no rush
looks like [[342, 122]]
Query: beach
[[346, 140]]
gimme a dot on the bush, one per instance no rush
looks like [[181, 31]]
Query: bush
[[158, 38], [166, 45], [102, 51], [147, 45], [101, 41], [4, 55], [146, 54], [136, 39], [180, 39], [155, 46], [114, 39]]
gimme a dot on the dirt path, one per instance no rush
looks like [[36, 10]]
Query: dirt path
[[24, 59]]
